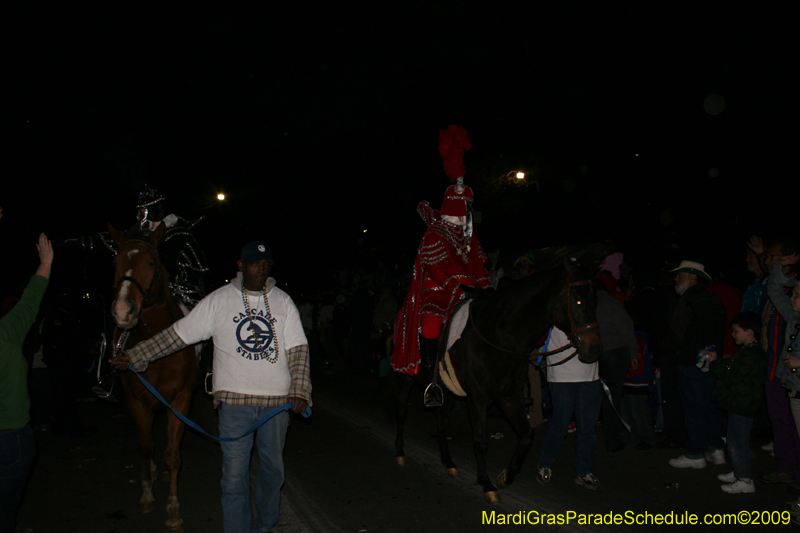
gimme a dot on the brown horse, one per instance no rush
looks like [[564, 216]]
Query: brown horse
[[488, 364], [142, 307]]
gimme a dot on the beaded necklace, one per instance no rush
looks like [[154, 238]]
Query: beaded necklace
[[730, 362], [271, 358], [789, 348], [454, 234]]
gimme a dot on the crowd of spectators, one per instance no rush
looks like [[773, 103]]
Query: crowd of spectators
[[661, 328]]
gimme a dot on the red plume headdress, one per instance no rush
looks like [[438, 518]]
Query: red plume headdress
[[453, 143]]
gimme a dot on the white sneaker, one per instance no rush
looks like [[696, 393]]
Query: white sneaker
[[768, 447], [717, 457], [740, 486], [685, 462], [730, 477]]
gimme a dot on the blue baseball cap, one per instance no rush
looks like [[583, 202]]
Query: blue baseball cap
[[256, 251]]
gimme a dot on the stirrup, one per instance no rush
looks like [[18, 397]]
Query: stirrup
[[108, 394], [433, 396]]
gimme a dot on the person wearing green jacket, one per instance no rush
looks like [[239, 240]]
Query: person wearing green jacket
[[17, 446], [740, 391]]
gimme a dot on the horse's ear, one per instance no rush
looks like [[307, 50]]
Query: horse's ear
[[118, 237], [159, 234]]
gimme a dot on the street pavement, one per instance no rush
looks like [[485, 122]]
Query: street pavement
[[341, 476]]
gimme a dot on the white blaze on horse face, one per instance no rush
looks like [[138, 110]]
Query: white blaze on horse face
[[121, 307], [131, 254]]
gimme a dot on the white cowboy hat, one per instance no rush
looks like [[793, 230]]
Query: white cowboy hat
[[692, 268]]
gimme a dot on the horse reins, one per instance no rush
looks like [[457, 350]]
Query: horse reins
[[573, 327]]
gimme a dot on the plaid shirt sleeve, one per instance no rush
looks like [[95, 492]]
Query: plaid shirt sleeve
[[299, 370], [300, 387], [160, 345]]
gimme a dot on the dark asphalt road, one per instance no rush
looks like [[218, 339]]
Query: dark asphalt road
[[341, 476]]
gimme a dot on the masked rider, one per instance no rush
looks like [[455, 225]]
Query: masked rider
[[180, 254], [448, 268]]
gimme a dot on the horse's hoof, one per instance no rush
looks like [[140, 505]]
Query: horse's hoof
[[400, 460], [146, 507], [174, 528], [492, 496], [453, 472], [501, 481]]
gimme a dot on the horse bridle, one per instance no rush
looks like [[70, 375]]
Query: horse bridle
[[146, 294], [573, 336], [575, 331]]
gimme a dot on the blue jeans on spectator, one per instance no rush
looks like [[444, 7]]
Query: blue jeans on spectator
[[583, 399], [739, 428], [704, 422], [17, 449], [270, 438]]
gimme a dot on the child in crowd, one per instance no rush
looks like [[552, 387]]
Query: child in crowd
[[740, 391]]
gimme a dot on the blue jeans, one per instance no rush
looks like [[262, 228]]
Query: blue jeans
[[584, 399], [739, 428], [704, 422], [270, 438], [17, 449]]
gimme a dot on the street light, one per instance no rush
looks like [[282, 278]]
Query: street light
[[517, 174], [220, 197]]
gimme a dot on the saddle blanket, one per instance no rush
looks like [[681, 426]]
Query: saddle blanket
[[457, 324]]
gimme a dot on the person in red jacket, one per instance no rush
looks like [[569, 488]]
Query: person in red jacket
[[448, 268]]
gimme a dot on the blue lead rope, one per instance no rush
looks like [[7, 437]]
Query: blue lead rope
[[544, 348], [189, 423]]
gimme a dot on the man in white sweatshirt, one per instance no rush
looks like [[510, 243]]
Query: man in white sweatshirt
[[260, 362]]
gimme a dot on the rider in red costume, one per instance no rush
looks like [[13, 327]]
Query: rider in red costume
[[449, 267]]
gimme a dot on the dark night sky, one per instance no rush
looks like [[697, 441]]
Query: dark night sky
[[321, 121]]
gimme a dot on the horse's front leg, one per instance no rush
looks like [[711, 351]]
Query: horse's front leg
[[403, 383], [143, 418], [480, 443], [172, 458], [514, 409], [442, 419]]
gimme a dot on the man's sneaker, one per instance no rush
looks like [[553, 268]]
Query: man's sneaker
[[685, 462], [589, 481], [740, 486], [776, 477], [717, 457], [544, 476], [573, 427], [768, 447], [730, 477]]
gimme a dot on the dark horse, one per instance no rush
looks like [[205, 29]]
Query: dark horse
[[490, 359], [144, 306]]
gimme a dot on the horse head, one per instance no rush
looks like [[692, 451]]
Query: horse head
[[139, 278], [577, 313]]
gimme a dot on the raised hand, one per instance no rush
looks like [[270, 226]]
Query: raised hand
[[45, 256], [756, 244]]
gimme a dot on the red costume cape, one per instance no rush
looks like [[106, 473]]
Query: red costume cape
[[443, 262]]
